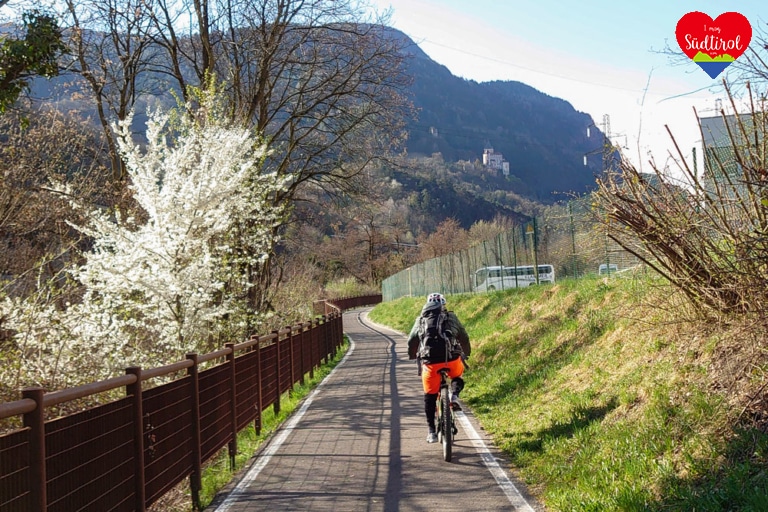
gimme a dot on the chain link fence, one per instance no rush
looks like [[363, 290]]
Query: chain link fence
[[569, 240]]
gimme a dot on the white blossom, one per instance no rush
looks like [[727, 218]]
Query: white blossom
[[156, 288]]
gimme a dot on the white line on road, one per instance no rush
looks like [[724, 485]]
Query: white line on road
[[277, 442], [513, 495]]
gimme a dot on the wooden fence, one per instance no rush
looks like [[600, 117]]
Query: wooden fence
[[124, 455]]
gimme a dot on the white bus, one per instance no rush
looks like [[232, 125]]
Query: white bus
[[503, 278]]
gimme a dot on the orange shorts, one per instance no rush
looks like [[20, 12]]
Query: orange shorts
[[430, 379]]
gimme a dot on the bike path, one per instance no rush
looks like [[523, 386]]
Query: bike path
[[357, 443]]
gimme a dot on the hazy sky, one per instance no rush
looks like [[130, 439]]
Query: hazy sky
[[602, 57]]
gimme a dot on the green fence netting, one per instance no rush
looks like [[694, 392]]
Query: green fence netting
[[570, 240]]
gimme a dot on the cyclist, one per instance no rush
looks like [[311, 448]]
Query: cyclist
[[436, 322]]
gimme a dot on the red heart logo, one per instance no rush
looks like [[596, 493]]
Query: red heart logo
[[713, 44]]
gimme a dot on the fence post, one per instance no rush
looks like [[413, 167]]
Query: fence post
[[334, 339], [276, 405], [195, 479], [324, 333], [302, 341], [319, 340], [534, 238], [410, 283], [232, 446], [514, 255], [291, 352], [35, 421], [312, 337], [440, 273], [259, 397], [573, 241], [339, 329], [334, 345], [134, 390], [331, 333], [335, 332], [500, 259]]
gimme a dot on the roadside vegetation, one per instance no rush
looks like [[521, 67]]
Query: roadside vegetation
[[608, 394]]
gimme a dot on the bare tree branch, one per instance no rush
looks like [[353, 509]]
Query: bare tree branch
[[708, 237]]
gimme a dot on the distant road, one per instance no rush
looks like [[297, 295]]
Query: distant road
[[358, 444]]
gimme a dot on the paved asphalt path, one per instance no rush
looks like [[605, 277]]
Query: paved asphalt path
[[358, 443]]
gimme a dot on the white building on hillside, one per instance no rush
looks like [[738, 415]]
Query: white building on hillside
[[495, 161]]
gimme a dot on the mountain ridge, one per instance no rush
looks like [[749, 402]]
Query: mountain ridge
[[543, 137]]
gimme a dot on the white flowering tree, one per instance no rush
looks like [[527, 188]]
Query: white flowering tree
[[156, 288]]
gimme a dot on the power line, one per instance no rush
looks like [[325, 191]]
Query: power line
[[555, 75], [508, 63]]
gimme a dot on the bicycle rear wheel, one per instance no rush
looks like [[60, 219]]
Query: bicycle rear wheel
[[446, 423]]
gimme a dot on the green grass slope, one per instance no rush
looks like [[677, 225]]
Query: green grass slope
[[600, 401]]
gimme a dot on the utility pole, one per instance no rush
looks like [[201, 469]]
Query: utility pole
[[531, 231], [607, 151], [607, 147]]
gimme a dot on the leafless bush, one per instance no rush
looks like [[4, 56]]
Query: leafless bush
[[706, 233]]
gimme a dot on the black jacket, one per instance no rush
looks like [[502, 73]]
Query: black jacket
[[454, 326]]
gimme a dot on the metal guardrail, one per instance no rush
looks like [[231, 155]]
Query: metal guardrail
[[124, 455]]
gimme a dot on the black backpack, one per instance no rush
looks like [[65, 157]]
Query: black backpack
[[435, 343]]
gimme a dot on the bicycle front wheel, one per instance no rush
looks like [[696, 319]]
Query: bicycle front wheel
[[446, 424]]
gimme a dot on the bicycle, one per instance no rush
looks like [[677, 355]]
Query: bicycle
[[446, 425]]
